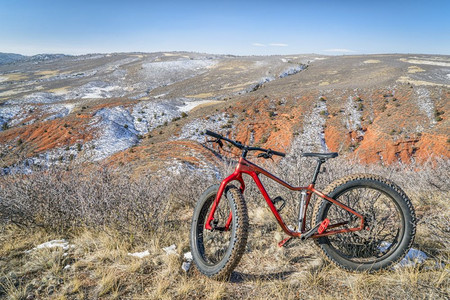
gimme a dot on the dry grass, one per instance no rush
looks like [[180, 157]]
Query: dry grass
[[103, 233]]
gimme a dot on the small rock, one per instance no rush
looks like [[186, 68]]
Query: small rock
[[186, 265], [412, 258]]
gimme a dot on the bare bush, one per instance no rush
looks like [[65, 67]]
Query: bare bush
[[60, 200]]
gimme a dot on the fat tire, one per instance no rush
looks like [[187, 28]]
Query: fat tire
[[400, 199], [239, 232]]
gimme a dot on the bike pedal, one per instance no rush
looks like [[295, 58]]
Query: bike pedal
[[323, 226], [276, 200], [319, 228]]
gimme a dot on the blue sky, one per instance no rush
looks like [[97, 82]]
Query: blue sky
[[225, 27]]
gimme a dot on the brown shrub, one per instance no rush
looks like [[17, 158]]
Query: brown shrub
[[61, 200]]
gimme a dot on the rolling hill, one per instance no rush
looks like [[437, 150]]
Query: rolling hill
[[149, 110]]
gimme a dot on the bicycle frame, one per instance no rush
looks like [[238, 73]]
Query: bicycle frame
[[246, 167]]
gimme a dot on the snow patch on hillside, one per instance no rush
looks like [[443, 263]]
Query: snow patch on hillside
[[99, 92], [427, 62], [13, 115], [204, 168], [312, 136], [89, 57], [150, 114], [425, 103], [117, 128], [57, 111], [57, 156], [116, 132], [189, 105], [195, 129], [257, 85], [8, 113], [164, 73], [97, 89], [42, 161], [35, 98], [292, 70], [353, 114], [64, 76], [91, 90], [114, 65]]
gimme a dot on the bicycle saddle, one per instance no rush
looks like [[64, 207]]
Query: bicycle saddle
[[321, 155]]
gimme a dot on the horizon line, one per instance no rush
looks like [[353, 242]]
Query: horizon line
[[353, 53]]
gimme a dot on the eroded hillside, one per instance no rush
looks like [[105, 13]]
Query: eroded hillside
[[150, 110]]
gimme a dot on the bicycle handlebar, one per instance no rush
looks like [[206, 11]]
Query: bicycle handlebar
[[213, 134], [243, 147]]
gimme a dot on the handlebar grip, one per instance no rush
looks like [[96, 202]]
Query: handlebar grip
[[213, 134], [278, 153]]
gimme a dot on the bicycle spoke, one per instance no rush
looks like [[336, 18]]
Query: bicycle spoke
[[381, 217], [216, 242]]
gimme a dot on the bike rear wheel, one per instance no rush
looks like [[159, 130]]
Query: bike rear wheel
[[389, 220], [217, 252]]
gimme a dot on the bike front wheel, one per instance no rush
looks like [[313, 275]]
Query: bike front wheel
[[390, 223], [217, 252]]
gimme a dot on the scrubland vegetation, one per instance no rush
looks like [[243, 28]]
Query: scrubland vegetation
[[105, 213]]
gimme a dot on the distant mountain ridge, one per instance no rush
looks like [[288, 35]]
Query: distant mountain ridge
[[8, 58]]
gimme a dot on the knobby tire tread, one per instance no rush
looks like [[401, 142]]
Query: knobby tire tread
[[341, 181], [241, 235]]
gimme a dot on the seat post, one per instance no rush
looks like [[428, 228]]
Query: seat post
[[316, 172]]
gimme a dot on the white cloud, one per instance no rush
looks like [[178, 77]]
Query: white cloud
[[270, 45], [339, 50]]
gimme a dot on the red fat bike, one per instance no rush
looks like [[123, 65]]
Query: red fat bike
[[361, 223]]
